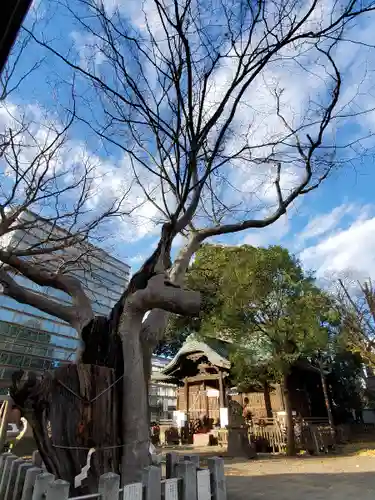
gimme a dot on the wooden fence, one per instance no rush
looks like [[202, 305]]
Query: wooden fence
[[22, 479], [314, 435]]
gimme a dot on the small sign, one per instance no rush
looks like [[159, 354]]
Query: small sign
[[133, 491], [212, 393], [223, 417], [179, 418], [204, 484], [171, 489]]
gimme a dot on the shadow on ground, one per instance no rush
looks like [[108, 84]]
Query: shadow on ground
[[303, 486]]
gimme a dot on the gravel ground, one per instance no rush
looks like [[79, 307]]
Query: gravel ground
[[305, 478]]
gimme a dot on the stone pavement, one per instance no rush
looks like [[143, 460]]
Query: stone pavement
[[305, 478]]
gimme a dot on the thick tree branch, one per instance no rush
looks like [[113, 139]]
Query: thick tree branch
[[153, 327], [81, 310], [161, 294], [12, 289]]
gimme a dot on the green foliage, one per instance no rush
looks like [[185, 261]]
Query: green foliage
[[260, 299], [343, 380]]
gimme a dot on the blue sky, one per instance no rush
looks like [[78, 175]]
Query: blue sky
[[332, 230]]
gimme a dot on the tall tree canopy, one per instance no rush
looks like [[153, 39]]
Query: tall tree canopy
[[261, 299]]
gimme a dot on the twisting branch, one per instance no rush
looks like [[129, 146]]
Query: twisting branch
[[12, 289], [78, 315]]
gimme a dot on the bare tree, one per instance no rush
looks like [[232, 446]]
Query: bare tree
[[356, 303], [174, 87]]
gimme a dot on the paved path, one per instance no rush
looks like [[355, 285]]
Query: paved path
[[310, 478]]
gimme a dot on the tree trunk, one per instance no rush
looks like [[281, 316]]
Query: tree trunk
[[267, 399], [290, 436], [71, 410], [135, 414], [122, 345], [328, 404]]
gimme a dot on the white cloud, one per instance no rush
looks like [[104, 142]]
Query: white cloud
[[90, 54], [248, 186], [350, 250], [101, 181], [323, 223], [270, 235], [137, 260], [256, 121]]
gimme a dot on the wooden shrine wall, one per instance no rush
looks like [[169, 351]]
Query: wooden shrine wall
[[199, 401]]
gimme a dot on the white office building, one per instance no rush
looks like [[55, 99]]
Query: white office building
[[33, 340], [162, 396]]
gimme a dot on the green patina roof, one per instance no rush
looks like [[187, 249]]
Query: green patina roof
[[216, 351]]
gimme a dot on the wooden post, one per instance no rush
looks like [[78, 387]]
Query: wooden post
[[58, 490], [219, 489], [221, 390], [187, 398], [281, 397], [41, 485], [267, 399], [30, 480], [187, 471], [109, 486], [328, 405], [206, 401]]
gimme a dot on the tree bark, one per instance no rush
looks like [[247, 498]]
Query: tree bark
[[328, 404], [135, 414], [123, 344], [71, 410], [267, 399], [154, 327], [290, 436]]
